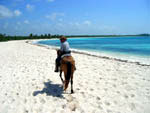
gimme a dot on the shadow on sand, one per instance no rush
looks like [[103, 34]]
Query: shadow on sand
[[55, 90]]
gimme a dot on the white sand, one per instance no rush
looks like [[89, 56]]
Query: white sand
[[29, 85]]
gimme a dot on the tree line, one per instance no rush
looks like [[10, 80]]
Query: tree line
[[4, 37]]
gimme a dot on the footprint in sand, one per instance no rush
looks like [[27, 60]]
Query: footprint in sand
[[98, 98], [17, 94], [42, 101], [64, 106], [100, 107], [82, 93], [118, 92], [34, 101], [109, 111], [80, 85], [78, 89], [91, 89], [148, 97], [132, 95], [143, 78], [100, 78], [115, 102], [105, 89], [107, 103], [69, 98], [114, 86], [87, 82], [126, 96], [132, 106], [97, 82], [73, 104], [25, 101]]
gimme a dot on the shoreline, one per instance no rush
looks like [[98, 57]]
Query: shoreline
[[93, 54]]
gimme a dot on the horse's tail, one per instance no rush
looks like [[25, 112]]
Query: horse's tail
[[68, 75]]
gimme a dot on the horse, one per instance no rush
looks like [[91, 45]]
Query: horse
[[67, 65]]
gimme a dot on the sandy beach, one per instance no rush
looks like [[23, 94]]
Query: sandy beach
[[28, 83]]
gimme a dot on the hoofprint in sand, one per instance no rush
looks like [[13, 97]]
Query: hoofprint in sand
[[28, 83]]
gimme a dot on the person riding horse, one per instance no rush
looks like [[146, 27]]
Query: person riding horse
[[65, 63], [64, 51]]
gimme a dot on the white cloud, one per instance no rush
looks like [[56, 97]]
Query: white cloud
[[81, 24], [60, 24], [18, 23], [54, 16], [60, 19], [50, 0], [29, 7], [74, 24], [87, 22], [5, 12], [77, 24], [26, 22], [17, 13]]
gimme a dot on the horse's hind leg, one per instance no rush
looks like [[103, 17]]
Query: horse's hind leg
[[72, 84], [61, 76]]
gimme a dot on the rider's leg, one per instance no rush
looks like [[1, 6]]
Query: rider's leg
[[57, 64]]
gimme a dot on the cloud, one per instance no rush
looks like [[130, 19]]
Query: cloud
[[26, 22], [54, 16], [60, 24], [81, 24], [5, 12], [18, 23], [29, 7], [50, 0], [17, 13], [60, 19], [77, 24], [87, 22]]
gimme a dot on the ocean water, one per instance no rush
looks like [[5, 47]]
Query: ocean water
[[130, 48]]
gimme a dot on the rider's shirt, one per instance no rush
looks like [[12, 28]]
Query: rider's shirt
[[65, 47]]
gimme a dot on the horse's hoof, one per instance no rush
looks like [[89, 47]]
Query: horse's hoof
[[72, 92]]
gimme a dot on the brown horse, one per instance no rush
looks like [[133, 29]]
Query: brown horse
[[67, 65]]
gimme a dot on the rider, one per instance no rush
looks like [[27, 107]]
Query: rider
[[65, 51]]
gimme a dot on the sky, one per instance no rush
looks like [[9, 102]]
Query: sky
[[74, 17]]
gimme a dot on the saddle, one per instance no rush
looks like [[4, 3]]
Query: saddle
[[67, 59]]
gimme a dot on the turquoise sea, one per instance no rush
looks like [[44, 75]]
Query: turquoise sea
[[133, 48]]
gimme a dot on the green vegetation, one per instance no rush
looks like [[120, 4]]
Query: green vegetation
[[4, 37]]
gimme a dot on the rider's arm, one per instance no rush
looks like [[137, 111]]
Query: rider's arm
[[62, 47]]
